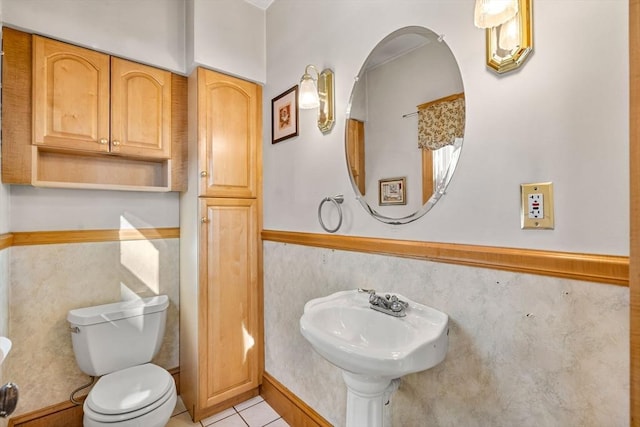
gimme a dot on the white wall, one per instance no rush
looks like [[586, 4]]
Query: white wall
[[524, 349], [229, 36], [39, 209], [148, 31], [562, 118]]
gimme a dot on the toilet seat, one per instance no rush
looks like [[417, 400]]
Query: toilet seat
[[129, 393]]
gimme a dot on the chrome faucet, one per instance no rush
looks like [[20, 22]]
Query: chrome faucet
[[388, 304]]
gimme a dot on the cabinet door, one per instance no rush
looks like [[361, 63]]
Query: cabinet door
[[70, 96], [228, 294], [229, 125], [140, 110]]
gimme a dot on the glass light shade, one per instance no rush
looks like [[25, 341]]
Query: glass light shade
[[509, 34], [492, 13], [308, 97]]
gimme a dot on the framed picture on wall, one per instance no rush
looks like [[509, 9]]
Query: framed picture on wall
[[392, 191], [284, 115]]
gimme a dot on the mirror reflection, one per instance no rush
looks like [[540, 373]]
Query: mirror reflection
[[405, 125]]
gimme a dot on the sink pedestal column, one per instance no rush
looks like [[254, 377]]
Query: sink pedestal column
[[366, 398]]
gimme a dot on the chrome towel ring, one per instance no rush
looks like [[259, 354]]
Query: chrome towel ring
[[337, 201]]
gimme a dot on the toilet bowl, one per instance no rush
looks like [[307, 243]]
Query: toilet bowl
[[117, 342], [140, 396]]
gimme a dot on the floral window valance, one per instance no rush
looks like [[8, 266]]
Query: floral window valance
[[440, 122]]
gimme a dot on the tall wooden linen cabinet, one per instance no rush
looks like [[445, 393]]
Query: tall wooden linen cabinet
[[221, 347]]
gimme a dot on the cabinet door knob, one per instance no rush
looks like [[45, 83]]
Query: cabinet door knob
[[204, 174], [204, 220], [103, 141], [116, 143]]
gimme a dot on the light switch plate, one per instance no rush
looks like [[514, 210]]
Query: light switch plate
[[537, 205]]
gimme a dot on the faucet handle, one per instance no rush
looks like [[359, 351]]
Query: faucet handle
[[369, 291], [397, 306]]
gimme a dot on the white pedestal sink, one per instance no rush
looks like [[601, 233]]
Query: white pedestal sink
[[373, 349]]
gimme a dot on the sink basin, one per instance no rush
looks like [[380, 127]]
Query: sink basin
[[344, 330]]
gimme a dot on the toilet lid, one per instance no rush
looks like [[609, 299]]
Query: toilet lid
[[129, 390]]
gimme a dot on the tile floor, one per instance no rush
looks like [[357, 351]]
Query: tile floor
[[252, 413]]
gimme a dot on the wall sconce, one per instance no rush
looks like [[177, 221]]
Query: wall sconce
[[318, 93], [509, 30]]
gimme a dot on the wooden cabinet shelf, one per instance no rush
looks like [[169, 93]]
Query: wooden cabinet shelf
[[76, 118], [64, 169]]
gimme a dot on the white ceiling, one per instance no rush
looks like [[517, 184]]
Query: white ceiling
[[394, 47]]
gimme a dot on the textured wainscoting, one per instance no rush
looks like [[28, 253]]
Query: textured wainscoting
[[524, 349], [607, 269], [48, 280]]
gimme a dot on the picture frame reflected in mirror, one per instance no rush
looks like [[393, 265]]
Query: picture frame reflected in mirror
[[392, 191]]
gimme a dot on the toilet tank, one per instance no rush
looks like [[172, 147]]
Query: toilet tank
[[110, 337]]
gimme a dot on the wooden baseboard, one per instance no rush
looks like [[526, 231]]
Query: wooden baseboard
[[294, 411], [65, 414]]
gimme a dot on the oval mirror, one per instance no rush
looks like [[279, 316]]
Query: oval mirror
[[405, 125]]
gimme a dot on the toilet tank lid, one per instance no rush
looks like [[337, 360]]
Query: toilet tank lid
[[118, 310]]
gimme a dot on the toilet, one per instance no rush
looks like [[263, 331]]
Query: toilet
[[117, 342]]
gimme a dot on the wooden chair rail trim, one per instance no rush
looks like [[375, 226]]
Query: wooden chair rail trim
[[294, 411], [6, 240], [609, 269], [24, 238]]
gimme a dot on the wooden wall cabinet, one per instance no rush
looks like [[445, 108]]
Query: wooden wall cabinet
[[83, 119], [70, 96], [221, 348], [229, 139], [87, 100]]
